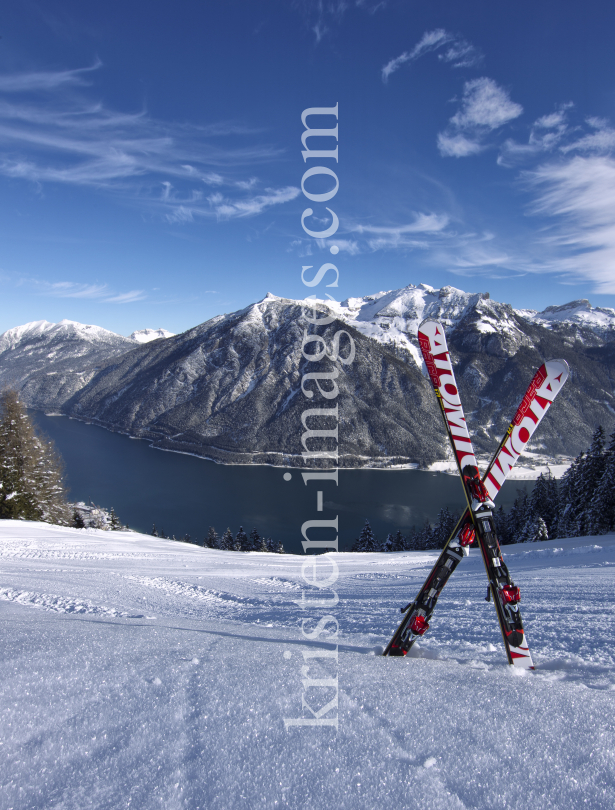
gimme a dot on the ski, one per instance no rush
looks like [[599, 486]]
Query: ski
[[544, 387]]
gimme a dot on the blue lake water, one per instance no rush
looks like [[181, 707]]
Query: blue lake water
[[183, 494]]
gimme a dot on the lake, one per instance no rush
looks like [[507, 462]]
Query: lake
[[182, 494]]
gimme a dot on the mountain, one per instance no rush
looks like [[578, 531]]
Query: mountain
[[393, 318], [230, 388], [579, 315], [49, 362], [146, 335]]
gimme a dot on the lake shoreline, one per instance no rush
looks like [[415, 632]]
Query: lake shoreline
[[522, 472]]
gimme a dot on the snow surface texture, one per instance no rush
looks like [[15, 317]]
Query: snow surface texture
[[142, 673]]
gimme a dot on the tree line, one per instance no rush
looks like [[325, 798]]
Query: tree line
[[31, 471], [239, 542], [582, 503]]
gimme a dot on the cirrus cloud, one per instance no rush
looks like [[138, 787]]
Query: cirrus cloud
[[459, 52], [51, 131]]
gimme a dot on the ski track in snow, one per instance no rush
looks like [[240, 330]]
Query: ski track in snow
[[153, 674], [61, 604], [276, 582]]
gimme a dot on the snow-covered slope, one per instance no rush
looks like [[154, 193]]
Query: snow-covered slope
[[142, 673], [65, 330], [49, 362], [393, 317], [581, 314], [146, 335]]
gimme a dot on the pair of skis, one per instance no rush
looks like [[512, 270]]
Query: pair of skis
[[477, 520]]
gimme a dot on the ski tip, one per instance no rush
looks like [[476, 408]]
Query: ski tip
[[555, 367], [427, 321]]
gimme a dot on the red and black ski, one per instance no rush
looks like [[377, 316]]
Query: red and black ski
[[477, 520]]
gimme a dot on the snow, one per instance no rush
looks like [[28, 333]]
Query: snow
[[393, 317], [142, 673], [520, 472], [145, 335], [12, 338], [600, 320]]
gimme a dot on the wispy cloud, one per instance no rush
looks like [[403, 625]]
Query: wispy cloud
[[223, 207], [579, 194], [126, 298], [599, 140], [471, 258], [322, 16], [81, 290], [71, 289], [44, 80], [546, 134], [485, 107], [559, 133], [422, 233], [574, 199], [350, 246], [51, 131], [459, 52], [423, 223]]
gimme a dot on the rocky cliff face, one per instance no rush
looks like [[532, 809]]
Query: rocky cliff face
[[230, 389]]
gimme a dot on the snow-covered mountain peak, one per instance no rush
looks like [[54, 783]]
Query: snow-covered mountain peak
[[65, 329], [12, 337], [145, 335], [580, 313], [393, 317]]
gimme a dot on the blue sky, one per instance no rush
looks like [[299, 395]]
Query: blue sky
[[150, 153]]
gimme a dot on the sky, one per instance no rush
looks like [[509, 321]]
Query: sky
[[151, 168]]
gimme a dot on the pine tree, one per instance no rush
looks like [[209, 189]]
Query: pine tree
[[264, 547], [366, 540], [31, 486], [78, 521], [255, 540], [543, 500], [534, 531], [412, 541], [443, 529], [399, 541], [154, 531], [227, 541], [212, 540], [601, 511], [115, 523], [517, 517], [241, 540], [591, 474], [387, 545], [501, 527], [569, 506], [424, 537]]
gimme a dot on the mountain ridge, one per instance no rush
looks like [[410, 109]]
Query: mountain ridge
[[230, 388]]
